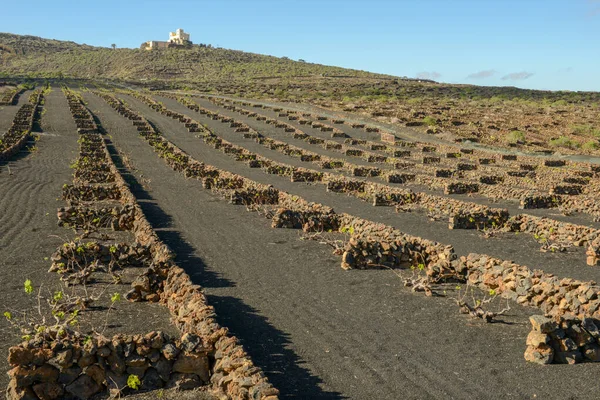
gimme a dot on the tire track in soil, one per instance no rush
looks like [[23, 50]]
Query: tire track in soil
[[12, 200], [420, 344]]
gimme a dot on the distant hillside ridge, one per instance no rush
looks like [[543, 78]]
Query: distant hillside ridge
[[31, 56]]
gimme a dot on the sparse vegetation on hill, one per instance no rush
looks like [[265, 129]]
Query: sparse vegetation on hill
[[31, 56], [19, 45]]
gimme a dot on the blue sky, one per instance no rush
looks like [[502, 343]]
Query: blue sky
[[539, 44]]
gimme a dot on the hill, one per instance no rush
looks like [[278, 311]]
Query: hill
[[31, 56]]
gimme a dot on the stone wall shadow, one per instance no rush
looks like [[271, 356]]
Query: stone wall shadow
[[269, 349], [23, 153], [185, 254]]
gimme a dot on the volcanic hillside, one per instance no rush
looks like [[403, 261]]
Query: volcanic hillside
[[47, 58]]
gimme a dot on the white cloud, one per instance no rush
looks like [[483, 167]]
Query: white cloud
[[517, 76], [482, 74], [428, 75]]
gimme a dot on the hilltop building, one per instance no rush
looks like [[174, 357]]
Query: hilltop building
[[176, 39], [179, 37]]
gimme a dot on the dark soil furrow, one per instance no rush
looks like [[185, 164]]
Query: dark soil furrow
[[29, 230], [15, 223]]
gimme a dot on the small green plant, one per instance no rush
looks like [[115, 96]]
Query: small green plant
[[585, 130], [347, 229], [563, 141], [560, 103], [114, 298], [59, 314], [591, 145], [58, 296], [133, 382], [28, 286], [516, 137], [430, 121]]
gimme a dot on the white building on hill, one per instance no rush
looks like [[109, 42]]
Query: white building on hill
[[179, 37], [176, 39]]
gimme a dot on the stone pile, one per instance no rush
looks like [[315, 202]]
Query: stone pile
[[345, 185], [520, 174], [466, 167], [374, 245], [491, 179], [567, 189], [431, 160], [74, 256], [563, 340], [115, 217], [486, 161], [480, 220], [399, 178], [84, 193], [554, 296], [10, 97], [66, 364], [383, 195], [364, 171], [540, 201], [461, 188], [593, 252], [555, 163], [294, 212], [551, 229], [19, 132]]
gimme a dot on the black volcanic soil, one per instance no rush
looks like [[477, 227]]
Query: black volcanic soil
[[319, 331]]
